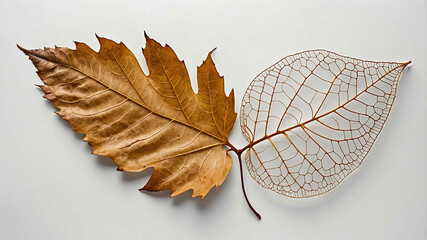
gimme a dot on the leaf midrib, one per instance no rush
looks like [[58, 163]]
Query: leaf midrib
[[173, 88], [122, 94], [253, 143]]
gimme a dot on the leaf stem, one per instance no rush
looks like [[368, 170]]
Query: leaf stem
[[239, 155]]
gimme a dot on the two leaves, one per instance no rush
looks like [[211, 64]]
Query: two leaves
[[143, 121], [310, 119]]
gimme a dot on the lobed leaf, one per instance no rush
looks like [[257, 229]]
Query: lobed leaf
[[143, 121]]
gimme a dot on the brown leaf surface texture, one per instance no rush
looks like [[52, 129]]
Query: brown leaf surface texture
[[143, 121], [312, 117]]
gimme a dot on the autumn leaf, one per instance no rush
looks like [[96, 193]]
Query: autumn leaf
[[143, 121], [311, 119]]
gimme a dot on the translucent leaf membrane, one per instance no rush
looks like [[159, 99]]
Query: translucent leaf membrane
[[311, 118]]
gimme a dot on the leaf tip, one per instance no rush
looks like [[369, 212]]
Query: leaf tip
[[208, 59], [406, 64], [145, 188], [210, 54], [148, 41], [99, 38], [22, 49], [231, 94], [146, 36]]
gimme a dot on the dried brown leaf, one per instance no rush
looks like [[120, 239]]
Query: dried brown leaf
[[311, 118], [143, 121]]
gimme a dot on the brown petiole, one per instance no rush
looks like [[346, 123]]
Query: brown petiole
[[239, 155]]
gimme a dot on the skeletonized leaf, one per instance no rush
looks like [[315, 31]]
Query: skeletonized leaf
[[312, 117], [143, 121]]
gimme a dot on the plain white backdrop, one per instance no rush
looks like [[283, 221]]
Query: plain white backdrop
[[53, 188]]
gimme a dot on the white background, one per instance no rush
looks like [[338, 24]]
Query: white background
[[53, 188]]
